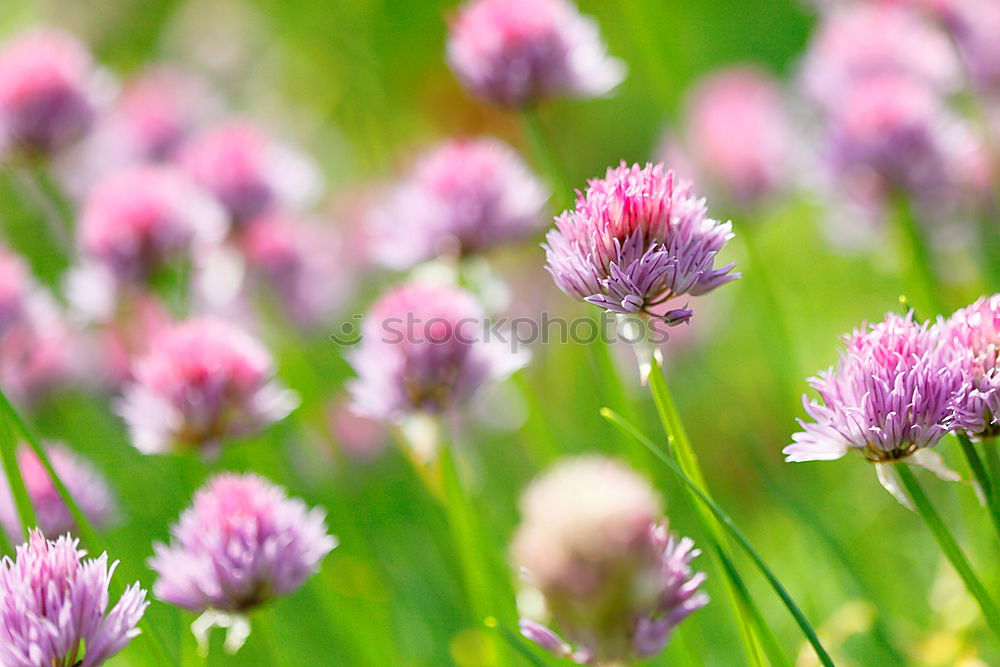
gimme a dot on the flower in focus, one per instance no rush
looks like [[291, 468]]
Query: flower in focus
[[891, 131], [242, 543], [973, 333], [463, 197], [739, 131], [54, 607], [889, 398], [593, 543], [518, 52], [45, 91], [200, 382], [422, 351], [85, 485], [139, 218], [636, 239], [863, 40], [248, 171]]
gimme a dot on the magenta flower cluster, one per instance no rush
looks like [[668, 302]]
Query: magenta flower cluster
[[637, 239], [54, 607], [242, 543]]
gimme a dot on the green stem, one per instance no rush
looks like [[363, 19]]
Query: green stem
[[725, 521], [680, 447], [919, 258], [22, 501], [83, 527], [949, 546], [542, 149], [45, 196], [476, 570], [990, 450], [982, 478]]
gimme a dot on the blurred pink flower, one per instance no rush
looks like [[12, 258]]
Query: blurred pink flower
[[858, 41], [201, 382], [159, 110], [45, 91], [54, 607], [360, 437], [890, 130], [462, 197], [740, 132], [242, 543], [519, 52], [304, 262], [85, 485], [593, 542], [249, 172], [139, 218], [423, 350]]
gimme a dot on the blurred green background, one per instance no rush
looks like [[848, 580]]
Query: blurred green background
[[362, 85]]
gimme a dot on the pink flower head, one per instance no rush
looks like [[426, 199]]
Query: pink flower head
[[889, 398], [15, 283], [159, 110], [87, 488], [38, 350], [199, 383], [973, 333], [423, 350], [518, 52], [45, 91], [242, 543], [139, 218], [303, 262], [593, 542], [465, 196], [862, 40], [740, 132], [249, 172], [974, 26], [890, 129], [636, 239], [54, 607]]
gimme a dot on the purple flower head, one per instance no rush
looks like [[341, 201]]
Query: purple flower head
[[517, 52], [636, 239], [199, 383], [423, 351], [303, 262], [87, 488], [890, 129], [740, 132], [863, 40], [973, 25], [242, 543], [889, 398], [45, 91], [54, 607], [593, 544], [973, 334], [159, 110], [249, 172], [465, 196], [138, 218]]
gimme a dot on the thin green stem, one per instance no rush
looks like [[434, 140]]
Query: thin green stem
[[541, 148], [992, 455], [949, 546], [727, 522], [986, 485], [920, 261], [6, 548], [680, 447], [476, 570], [22, 501]]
